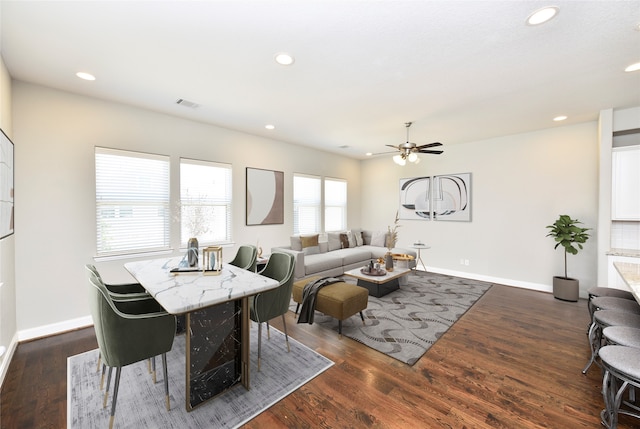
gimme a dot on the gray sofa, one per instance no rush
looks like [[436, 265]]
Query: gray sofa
[[336, 252]]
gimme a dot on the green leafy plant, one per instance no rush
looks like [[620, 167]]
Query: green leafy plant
[[566, 232]]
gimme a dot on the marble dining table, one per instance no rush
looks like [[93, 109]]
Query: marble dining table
[[217, 320]]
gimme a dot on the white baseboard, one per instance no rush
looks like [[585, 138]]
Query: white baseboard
[[54, 328], [498, 280], [5, 360]]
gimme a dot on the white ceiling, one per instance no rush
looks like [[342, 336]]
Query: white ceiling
[[460, 70]]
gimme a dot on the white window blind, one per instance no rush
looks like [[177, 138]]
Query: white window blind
[[335, 205], [205, 201], [132, 202], [306, 204]]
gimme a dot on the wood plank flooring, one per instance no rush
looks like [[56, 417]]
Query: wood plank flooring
[[512, 361]]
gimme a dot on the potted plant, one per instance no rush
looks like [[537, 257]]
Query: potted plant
[[391, 239], [566, 232]]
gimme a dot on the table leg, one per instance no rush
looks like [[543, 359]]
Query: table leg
[[214, 351]]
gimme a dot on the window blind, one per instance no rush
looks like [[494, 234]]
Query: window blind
[[335, 204], [205, 201], [132, 202], [306, 204]]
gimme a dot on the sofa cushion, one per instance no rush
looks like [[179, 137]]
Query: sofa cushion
[[357, 236], [311, 250], [321, 262], [379, 238], [353, 255], [333, 240], [296, 243], [344, 240], [309, 240]]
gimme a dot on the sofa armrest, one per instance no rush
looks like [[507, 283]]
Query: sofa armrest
[[299, 256]]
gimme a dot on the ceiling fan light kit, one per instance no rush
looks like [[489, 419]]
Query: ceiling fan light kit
[[409, 151]]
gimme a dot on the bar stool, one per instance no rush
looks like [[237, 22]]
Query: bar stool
[[621, 371], [603, 319], [597, 291], [622, 336]]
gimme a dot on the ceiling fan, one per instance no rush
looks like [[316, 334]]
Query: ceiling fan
[[409, 151]]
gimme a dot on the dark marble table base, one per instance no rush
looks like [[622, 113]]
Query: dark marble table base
[[379, 289], [214, 351]]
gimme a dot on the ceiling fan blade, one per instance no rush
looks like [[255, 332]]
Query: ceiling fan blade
[[395, 147], [433, 152], [424, 146], [384, 153]]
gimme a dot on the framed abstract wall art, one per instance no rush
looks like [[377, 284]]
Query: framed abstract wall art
[[265, 197], [6, 186], [443, 197]]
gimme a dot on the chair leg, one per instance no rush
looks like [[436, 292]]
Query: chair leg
[[99, 360], [297, 308], [259, 343], [362, 317], [340, 327], [106, 390], [286, 336], [268, 332], [166, 381], [104, 369], [153, 369], [115, 397]]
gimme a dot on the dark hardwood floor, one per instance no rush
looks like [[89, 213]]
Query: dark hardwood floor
[[512, 361]]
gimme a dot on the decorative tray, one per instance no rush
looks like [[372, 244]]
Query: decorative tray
[[378, 273]]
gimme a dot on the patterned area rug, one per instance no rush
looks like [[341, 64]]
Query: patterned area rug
[[406, 322], [141, 403]]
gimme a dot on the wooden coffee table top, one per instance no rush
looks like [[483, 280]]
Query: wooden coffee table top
[[397, 272]]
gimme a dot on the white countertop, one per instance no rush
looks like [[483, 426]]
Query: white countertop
[[630, 273], [186, 292], [633, 253]]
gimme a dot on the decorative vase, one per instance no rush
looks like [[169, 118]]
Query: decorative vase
[[192, 252], [388, 261], [566, 289]]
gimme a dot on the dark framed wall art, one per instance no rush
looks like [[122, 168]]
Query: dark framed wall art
[[444, 197], [265, 197], [6, 186]]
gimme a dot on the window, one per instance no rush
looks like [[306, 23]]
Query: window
[[205, 201], [306, 204], [335, 205], [132, 202]]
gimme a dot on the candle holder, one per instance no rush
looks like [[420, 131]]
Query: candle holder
[[212, 260]]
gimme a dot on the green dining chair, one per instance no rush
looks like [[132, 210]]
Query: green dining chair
[[121, 292], [275, 302], [129, 332], [246, 257]]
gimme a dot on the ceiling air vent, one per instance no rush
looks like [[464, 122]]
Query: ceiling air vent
[[187, 103]]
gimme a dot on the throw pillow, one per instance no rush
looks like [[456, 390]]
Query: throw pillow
[[311, 250], [296, 244], [344, 241], [357, 235], [351, 238], [309, 240], [379, 238], [333, 241]]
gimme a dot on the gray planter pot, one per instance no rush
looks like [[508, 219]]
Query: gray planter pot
[[566, 289]]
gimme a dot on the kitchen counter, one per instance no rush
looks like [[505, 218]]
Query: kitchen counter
[[632, 253], [631, 275]]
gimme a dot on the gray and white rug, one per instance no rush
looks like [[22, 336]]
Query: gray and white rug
[[141, 403], [406, 322]]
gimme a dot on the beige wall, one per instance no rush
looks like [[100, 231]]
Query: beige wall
[[8, 326], [520, 184], [58, 131]]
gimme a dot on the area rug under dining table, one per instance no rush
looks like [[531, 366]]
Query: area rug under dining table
[[407, 321], [141, 403]]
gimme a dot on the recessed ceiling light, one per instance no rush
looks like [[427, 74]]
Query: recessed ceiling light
[[85, 76], [543, 15], [368, 153], [284, 59], [633, 67], [560, 118], [270, 127]]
